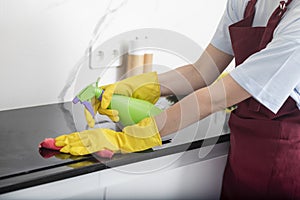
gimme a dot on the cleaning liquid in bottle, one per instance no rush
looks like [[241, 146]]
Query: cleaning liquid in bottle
[[131, 110]]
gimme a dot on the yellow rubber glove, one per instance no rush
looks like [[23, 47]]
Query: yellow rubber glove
[[112, 114], [138, 137], [143, 86]]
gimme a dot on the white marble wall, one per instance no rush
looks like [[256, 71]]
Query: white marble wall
[[43, 43]]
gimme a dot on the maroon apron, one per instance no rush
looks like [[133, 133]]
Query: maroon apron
[[264, 155]]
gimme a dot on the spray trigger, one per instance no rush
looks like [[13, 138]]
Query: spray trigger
[[86, 95]]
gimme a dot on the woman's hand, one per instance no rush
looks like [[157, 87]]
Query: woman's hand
[[144, 86], [138, 137]]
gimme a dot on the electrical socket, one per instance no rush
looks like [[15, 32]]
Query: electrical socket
[[105, 56], [110, 53]]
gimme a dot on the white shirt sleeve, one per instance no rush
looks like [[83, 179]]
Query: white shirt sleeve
[[233, 13], [273, 74]]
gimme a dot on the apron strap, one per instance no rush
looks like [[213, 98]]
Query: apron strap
[[273, 22], [268, 34], [250, 8]]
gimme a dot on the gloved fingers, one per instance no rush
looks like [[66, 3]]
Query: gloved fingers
[[107, 95], [65, 149], [89, 118], [112, 114], [73, 147], [61, 138], [64, 140], [89, 141], [77, 147]]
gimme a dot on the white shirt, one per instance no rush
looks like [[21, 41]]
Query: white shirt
[[272, 74]]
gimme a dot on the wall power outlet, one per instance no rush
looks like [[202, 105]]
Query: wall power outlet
[[110, 53]]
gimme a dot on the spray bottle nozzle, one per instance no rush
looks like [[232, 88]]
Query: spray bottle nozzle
[[86, 95]]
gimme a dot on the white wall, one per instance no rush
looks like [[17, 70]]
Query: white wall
[[41, 42]]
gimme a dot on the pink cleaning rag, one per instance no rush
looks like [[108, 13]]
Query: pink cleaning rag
[[49, 143]]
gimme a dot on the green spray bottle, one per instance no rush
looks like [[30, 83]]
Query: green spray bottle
[[131, 110]]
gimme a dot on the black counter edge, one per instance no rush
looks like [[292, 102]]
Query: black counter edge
[[136, 157]]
